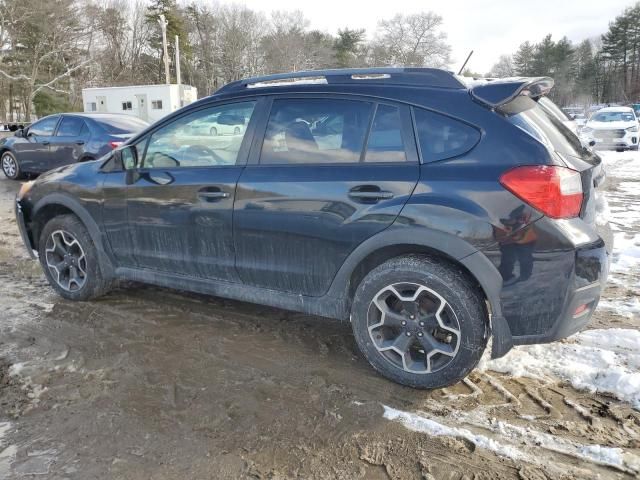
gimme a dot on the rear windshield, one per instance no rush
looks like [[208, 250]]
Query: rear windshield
[[116, 125], [547, 125], [613, 117]]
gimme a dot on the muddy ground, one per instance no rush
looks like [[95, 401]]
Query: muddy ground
[[148, 383]]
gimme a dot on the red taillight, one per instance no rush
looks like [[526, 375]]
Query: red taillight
[[555, 191], [115, 144]]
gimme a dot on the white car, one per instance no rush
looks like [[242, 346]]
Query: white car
[[612, 128]]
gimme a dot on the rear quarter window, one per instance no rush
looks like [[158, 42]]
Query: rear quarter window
[[441, 137]]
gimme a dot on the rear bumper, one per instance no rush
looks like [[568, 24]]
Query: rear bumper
[[587, 282], [24, 234]]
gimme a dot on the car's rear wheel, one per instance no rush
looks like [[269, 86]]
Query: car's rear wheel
[[70, 259], [420, 322], [213, 132], [10, 166]]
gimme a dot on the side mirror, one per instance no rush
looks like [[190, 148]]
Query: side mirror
[[20, 133]]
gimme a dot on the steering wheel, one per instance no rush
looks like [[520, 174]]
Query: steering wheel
[[203, 151]]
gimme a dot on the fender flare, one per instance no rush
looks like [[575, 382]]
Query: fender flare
[[102, 246], [448, 245]]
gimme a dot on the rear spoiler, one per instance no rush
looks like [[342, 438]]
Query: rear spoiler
[[511, 95]]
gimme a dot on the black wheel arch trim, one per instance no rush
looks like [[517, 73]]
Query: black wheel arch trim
[[105, 257], [447, 245]]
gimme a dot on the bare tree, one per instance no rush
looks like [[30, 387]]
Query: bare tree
[[412, 40], [503, 68]]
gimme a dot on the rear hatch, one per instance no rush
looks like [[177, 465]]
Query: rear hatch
[[523, 102]]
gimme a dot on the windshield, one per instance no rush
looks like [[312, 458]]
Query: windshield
[[613, 117], [120, 124]]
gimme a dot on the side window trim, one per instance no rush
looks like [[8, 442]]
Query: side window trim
[[247, 140], [409, 136]]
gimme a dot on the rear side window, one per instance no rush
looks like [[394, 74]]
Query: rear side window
[[441, 137], [70, 127], [385, 139], [315, 131]]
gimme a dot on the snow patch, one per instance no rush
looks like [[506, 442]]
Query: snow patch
[[7, 454], [606, 361], [626, 252], [419, 423], [511, 439]]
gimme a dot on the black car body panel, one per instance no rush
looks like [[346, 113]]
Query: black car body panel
[[297, 237]]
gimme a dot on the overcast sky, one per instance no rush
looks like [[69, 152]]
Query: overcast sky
[[489, 27]]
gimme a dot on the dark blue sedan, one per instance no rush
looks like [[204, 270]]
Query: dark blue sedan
[[63, 139]]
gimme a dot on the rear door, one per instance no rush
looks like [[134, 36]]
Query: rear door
[[67, 145], [180, 199], [330, 173], [33, 154]]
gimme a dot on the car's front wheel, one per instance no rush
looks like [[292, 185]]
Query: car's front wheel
[[420, 322], [10, 166], [70, 260]]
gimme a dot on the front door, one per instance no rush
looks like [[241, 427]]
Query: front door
[[315, 192], [180, 198], [141, 103], [33, 154], [101, 100]]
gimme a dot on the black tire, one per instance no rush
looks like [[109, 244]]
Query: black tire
[[634, 148], [10, 166], [236, 131], [438, 281], [94, 284]]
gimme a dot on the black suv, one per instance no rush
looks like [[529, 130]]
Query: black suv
[[432, 214]]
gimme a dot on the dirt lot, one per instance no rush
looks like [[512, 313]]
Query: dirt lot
[[152, 383]]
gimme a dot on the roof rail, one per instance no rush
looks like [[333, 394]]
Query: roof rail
[[424, 77]]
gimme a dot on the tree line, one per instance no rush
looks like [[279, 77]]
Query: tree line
[[51, 49], [605, 69]]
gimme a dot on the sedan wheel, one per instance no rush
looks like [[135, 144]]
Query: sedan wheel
[[10, 166]]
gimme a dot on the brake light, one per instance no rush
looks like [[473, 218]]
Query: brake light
[[114, 144], [555, 191]]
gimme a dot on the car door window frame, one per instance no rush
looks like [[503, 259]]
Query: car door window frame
[[245, 146], [53, 132], [406, 128]]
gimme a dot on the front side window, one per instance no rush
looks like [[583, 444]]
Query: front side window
[[315, 131], [70, 127], [45, 127], [200, 139], [442, 137], [385, 139]]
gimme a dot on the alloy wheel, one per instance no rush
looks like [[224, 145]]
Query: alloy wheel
[[66, 260], [9, 165], [413, 327]]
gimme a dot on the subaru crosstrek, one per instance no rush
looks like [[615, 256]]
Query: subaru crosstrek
[[431, 214]]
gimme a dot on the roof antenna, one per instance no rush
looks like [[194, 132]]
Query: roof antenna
[[465, 62]]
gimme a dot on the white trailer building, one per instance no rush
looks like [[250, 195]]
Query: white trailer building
[[148, 102]]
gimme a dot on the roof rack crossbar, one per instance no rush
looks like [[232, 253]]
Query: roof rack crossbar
[[426, 77]]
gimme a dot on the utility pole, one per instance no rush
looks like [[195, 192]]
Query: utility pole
[[178, 76], [163, 26]]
